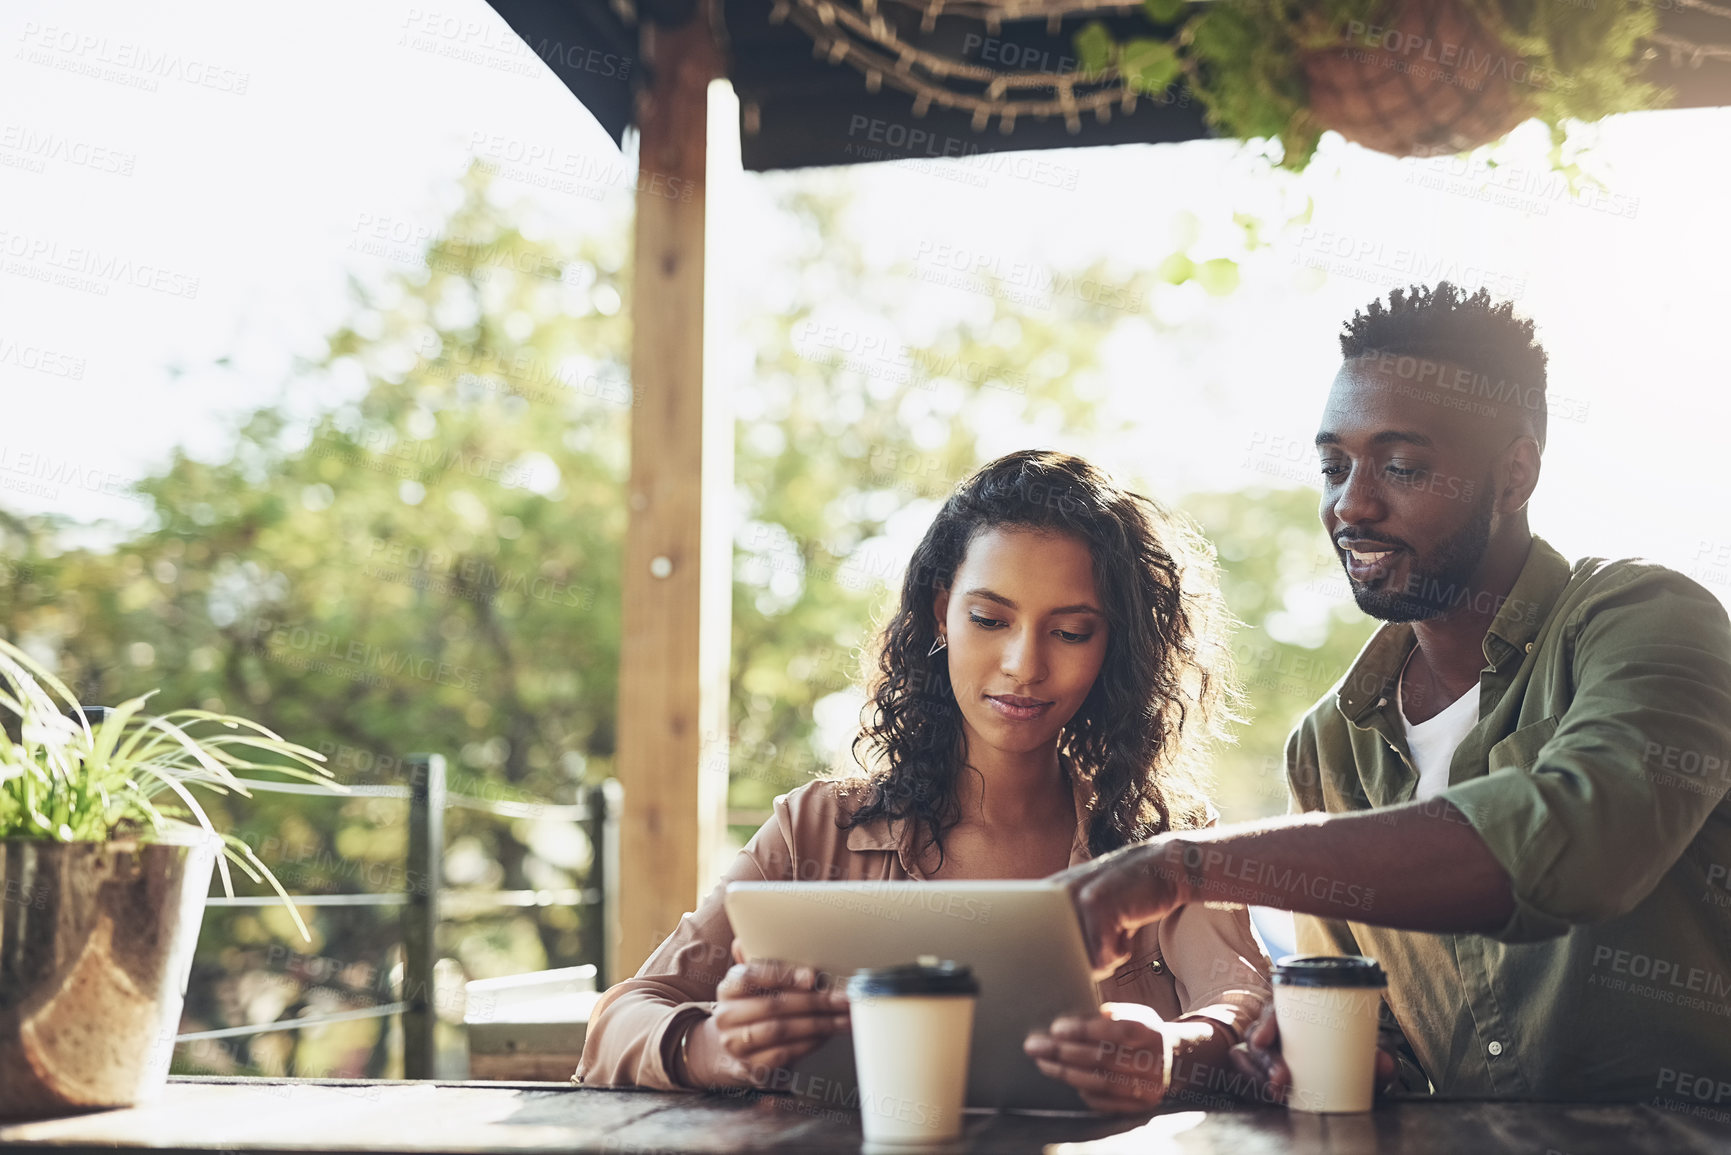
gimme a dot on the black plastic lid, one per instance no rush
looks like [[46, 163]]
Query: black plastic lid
[[1328, 970], [928, 976]]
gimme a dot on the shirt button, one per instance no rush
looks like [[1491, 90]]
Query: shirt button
[[1529, 647], [1381, 702], [1156, 966], [1495, 1049]]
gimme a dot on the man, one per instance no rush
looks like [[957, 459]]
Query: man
[[1516, 798]]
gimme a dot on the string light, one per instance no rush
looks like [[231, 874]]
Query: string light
[[1684, 51], [864, 37], [868, 40]]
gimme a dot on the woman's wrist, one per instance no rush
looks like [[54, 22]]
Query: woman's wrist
[[1199, 1049], [682, 1067]]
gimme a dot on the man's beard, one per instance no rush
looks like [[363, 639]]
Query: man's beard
[[1437, 584]]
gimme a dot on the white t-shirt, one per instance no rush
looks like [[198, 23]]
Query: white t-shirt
[[1433, 742]]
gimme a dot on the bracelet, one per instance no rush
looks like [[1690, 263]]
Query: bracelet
[[683, 1075]]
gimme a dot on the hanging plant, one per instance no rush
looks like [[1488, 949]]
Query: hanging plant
[[1404, 77]]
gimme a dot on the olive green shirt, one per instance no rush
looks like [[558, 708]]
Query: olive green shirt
[[1597, 774]]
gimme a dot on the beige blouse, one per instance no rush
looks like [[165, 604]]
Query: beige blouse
[[1203, 962]]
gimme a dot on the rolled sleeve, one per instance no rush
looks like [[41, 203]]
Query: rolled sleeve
[[635, 1024], [1587, 811], [1219, 969]]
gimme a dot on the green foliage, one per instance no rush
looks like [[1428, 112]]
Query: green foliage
[[1095, 47], [1242, 63], [1149, 65], [66, 780], [1243, 60], [1218, 277], [1588, 53]]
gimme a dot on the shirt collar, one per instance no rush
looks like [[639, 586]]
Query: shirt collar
[[873, 834], [1529, 603], [1370, 683]]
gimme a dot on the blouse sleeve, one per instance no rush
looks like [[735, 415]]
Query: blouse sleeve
[[636, 1021], [1218, 965]]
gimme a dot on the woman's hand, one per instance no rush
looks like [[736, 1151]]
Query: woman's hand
[[1119, 1060], [767, 1014]]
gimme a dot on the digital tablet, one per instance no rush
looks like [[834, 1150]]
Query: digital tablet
[[1021, 938]]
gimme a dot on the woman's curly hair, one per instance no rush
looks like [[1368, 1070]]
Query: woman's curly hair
[[1163, 697]]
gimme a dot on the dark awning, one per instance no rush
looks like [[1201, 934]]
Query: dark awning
[[589, 46], [798, 109]]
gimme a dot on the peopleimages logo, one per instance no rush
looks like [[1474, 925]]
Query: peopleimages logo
[[88, 269], [897, 141], [1688, 1085], [1367, 258], [36, 149], [138, 65], [55, 472], [1529, 189], [303, 647], [1665, 980], [561, 170], [467, 576], [1035, 286], [1469, 64], [40, 360]]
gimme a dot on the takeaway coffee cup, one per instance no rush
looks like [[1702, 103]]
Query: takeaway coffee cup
[[911, 1029], [1326, 1007]]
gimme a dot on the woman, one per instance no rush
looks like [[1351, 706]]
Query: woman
[[1054, 673]]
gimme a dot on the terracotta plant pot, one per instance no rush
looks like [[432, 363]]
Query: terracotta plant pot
[[1429, 78], [96, 943]]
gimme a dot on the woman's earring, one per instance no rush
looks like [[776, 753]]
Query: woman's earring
[[938, 643]]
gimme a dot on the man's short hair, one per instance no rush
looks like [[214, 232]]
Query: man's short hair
[[1446, 324]]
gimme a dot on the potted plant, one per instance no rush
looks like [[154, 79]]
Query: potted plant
[[1406, 77], [105, 861]]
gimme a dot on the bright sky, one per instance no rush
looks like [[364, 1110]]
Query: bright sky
[[190, 181]]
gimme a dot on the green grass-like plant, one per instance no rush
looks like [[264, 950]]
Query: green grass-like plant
[[65, 779]]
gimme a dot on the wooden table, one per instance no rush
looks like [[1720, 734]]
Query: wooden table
[[327, 1115]]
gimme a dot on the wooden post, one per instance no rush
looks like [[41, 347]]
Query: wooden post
[[673, 672], [600, 925], [421, 915]]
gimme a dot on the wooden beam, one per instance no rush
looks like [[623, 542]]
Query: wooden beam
[[673, 674]]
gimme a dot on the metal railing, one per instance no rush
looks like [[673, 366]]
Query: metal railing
[[423, 903]]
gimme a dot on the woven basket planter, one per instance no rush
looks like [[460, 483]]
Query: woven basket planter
[[1431, 78]]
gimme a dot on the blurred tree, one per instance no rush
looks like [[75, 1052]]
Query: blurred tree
[[430, 566], [849, 425], [433, 564], [1300, 629]]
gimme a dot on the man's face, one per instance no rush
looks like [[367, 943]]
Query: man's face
[[1407, 491]]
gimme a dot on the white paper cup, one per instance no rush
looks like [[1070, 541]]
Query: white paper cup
[[1326, 1007], [912, 1026]]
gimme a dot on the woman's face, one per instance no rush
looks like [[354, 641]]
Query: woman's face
[[1027, 636]]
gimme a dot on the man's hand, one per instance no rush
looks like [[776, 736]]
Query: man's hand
[[1258, 1058], [767, 1014], [1119, 1060], [1119, 893]]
